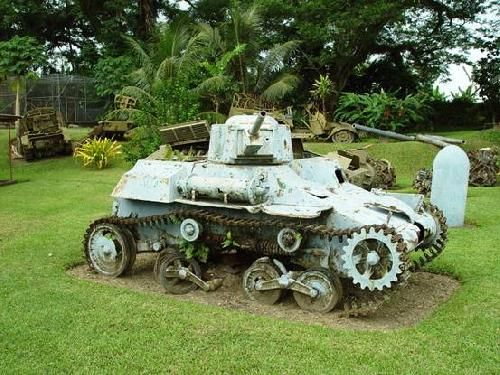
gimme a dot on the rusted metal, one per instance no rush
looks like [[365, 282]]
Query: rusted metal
[[483, 171], [40, 135], [251, 197]]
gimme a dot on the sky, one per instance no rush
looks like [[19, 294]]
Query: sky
[[459, 74]]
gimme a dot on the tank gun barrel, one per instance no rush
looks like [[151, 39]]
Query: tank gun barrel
[[435, 140], [383, 133], [453, 141], [254, 130], [431, 140]]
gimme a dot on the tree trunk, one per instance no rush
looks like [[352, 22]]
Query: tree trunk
[[240, 60], [339, 79], [147, 15], [18, 103]]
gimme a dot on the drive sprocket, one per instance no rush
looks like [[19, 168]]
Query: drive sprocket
[[373, 258]]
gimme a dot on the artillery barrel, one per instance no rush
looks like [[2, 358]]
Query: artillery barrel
[[383, 133], [431, 140], [254, 130], [446, 139]]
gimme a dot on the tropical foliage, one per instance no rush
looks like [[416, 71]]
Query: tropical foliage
[[187, 61], [382, 110]]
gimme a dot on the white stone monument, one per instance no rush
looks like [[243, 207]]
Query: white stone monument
[[450, 179]]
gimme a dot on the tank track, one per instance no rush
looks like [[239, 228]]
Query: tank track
[[430, 253], [359, 303]]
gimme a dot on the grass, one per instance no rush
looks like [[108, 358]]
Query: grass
[[53, 323]]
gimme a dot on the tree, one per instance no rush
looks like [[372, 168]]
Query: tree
[[111, 74], [18, 57], [486, 72], [487, 75], [337, 35]]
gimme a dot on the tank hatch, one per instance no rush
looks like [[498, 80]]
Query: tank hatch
[[250, 139]]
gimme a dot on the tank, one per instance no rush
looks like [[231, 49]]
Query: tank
[[119, 125], [297, 225], [39, 135]]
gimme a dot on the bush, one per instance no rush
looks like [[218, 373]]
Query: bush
[[382, 110], [169, 103], [97, 153], [144, 141]]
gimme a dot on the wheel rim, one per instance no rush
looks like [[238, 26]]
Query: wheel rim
[[328, 287], [261, 271], [108, 250], [343, 136], [174, 262]]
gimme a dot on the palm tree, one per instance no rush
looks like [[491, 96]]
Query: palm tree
[[218, 79], [273, 79], [166, 57], [244, 27], [162, 62]]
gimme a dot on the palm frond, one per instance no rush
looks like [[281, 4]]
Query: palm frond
[[273, 60], [139, 78], [141, 56], [208, 37], [246, 22], [213, 84], [284, 85], [167, 69]]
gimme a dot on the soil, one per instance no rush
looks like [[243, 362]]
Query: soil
[[407, 306]]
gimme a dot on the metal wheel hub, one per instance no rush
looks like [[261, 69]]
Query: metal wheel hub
[[177, 274], [104, 247], [372, 259], [327, 286], [109, 250], [260, 271]]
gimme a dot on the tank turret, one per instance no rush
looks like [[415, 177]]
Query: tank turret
[[250, 139], [301, 224]]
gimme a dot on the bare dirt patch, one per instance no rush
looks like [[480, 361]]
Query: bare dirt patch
[[408, 306]]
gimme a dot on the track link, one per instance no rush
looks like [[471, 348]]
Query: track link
[[359, 303]]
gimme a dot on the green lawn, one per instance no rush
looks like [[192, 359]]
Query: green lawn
[[51, 322]]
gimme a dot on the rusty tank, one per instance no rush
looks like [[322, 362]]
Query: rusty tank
[[39, 135], [299, 225]]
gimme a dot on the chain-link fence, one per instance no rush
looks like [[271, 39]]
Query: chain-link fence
[[74, 96]]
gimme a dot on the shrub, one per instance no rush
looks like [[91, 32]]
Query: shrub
[[144, 141], [97, 152], [170, 102], [382, 110]]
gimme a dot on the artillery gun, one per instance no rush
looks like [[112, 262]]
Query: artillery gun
[[435, 140], [303, 226], [483, 162], [39, 135]]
